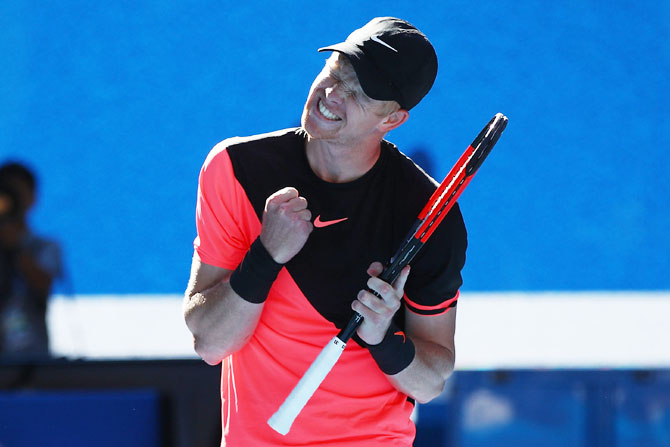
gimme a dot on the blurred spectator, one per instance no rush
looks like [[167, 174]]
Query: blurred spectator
[[28, 266]]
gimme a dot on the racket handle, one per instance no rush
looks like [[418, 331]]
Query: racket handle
[[283, 418]]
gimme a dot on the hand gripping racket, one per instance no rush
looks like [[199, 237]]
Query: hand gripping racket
[[433, 213]]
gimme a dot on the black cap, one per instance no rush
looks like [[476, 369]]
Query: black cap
[[392, 59]]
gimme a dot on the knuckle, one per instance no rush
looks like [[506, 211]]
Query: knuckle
[[367, 299], [283, 209], [286, 191], [270, 204], [389, 311]]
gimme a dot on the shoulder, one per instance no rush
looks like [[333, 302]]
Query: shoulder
[[436, 270], [410, 179], [406, 165], [262, 142], [254, 143], [237, 154]]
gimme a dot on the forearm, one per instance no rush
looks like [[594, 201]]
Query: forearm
[[221, 322], [424, 378]]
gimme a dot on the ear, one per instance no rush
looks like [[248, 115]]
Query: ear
[[394, 120]]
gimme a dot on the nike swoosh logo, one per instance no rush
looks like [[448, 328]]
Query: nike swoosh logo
[[376, 38], [403, 335], [318, 223]]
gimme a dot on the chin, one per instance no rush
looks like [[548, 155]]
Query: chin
[[313, 129], [317, 133]]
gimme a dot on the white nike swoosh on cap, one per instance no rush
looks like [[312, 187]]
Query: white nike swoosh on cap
[[376, 38]]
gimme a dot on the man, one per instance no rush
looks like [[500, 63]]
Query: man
[[28, 266], [292, 227]]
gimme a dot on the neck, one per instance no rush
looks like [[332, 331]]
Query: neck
[[341, 163]]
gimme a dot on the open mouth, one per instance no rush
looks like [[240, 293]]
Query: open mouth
[[326, 112]]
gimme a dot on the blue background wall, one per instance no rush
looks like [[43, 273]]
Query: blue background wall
[[116, 106]]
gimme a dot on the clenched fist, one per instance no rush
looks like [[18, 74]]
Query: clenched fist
[[286, 224]]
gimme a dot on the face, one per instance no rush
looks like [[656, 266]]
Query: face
[[337, 108]]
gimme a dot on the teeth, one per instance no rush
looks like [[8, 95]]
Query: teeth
[[327, 113]]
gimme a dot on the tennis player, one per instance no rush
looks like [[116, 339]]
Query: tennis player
[[291, 226]]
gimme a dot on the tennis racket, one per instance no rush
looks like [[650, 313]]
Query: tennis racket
[[438, 206]]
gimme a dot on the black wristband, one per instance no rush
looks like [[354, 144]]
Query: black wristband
[[394, 353], [253, 278]]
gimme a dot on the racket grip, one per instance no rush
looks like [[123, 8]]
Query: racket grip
[[283, 418]]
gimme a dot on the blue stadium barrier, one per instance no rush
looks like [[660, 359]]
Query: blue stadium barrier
[[128, 418], [588, 408]]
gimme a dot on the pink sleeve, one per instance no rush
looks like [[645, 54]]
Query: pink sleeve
[[225, 220]]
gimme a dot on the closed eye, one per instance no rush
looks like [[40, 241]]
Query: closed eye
[[347, 89]]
